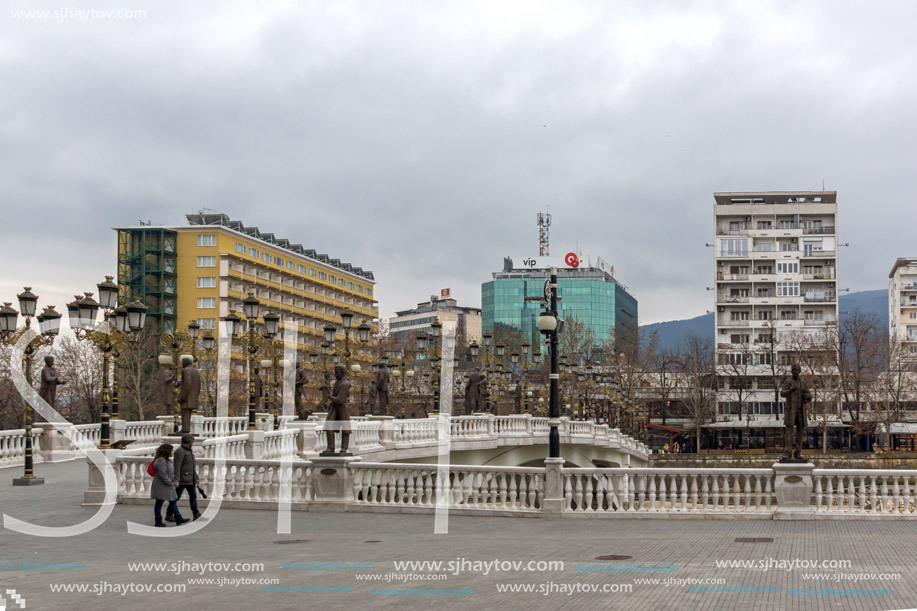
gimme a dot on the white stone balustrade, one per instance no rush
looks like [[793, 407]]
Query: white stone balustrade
[[12, 447], [840, 493], [247, 483], [281, 443], [234, 446], [645, 491], [494, 489], [144, 433]]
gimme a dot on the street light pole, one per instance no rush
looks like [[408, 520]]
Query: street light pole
[[547, 325]]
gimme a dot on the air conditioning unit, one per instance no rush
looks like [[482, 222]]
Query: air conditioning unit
[[721, 263], [721, 309], [747, 219]]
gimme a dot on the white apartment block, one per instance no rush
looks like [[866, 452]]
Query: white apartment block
[[776, 289], [902, 303]]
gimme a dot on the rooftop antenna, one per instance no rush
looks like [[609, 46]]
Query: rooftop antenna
[[544, 224]]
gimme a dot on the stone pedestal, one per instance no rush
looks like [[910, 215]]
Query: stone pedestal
[[117, 430], [793, 488], [167, 425], [332, 480], [254, 447], [553, 500], [54, 445], [197, 425], [95, 494]]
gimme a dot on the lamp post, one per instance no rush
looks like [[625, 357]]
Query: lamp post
[[49, 326], [253, 342], [176, 344], [129, 321], [273, 350], [208, 344], [488, 340], [436, 330], [547, 325]]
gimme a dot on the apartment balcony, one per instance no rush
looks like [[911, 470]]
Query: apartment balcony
[[819, 254], [827, 230], [819, 297], [774, 232], [733, 323], [728, 299], [721, 276], [726, 231], [818, 277]]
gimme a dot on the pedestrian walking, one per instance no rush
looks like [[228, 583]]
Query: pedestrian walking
[[164, 485], [186, 474]]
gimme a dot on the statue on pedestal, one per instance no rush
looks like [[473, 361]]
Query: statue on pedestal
[[49, 382], [796, 392], [338, 397], [188, 395]]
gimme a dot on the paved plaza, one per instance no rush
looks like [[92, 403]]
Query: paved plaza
[[680, 553]]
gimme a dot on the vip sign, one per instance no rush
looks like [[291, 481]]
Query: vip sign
[[14, 599], [570, 260]]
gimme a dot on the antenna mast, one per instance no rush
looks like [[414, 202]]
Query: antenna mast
[[544, 223]]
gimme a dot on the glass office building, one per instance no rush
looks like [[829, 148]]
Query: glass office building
[[589, 294]]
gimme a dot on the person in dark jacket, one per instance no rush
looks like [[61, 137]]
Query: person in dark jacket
[[164, 485], [186, 474]]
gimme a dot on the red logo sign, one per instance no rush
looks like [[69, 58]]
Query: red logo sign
[[571, 259]]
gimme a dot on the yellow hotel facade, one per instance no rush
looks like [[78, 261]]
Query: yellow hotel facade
[[204, 270]]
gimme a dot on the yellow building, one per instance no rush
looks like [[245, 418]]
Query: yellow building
[[202, 271]]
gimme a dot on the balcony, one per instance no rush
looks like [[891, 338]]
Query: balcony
[[819, 254], [734, 323], [731, 299], [827, 230], [726, 231], [818, 297], [817, 277], [732, 277]]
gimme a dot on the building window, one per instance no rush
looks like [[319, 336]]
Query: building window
[[765, 225], [739, 316], [207, 323], [206, 302], [350, 285], [206, 261], [312, 272], [788, 267], [209, 282], [322, 276], [787, 289], [207, 240], [278, 261], [291, 265], [332, 279], [369, 291], [241, 248], [341, 282], [254, 252], [266, 256], [733, 248]]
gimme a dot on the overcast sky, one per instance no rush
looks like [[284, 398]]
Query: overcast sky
[[420, 139]]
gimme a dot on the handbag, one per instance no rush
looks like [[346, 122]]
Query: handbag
[[149, 468]]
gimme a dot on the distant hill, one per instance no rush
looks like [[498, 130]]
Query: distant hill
[[671, 333]]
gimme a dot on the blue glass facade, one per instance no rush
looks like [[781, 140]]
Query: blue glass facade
[[589, 295]]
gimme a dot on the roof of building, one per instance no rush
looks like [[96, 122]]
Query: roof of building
[[223, 220], [435, 304], [902, 262], [776, 197]]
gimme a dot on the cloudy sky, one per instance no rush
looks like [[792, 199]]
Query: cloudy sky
[[420, 139]]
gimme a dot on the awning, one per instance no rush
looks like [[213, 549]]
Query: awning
[[899, 428]]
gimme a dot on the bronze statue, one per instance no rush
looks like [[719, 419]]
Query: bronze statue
[[474, 392], [797, 394], [299, 392], [168, 389], [188, 395], [382, 389], [339, 412], [371, 407], [517, 398], [259, 390], [49, 382]]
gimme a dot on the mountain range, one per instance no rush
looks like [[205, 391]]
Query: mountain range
[[673, 332]]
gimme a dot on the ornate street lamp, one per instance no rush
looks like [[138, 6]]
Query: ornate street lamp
[[547, 325], [49, 326]]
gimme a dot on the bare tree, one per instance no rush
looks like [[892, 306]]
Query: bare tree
[[80, 364], [698, 370], [139, 379]]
